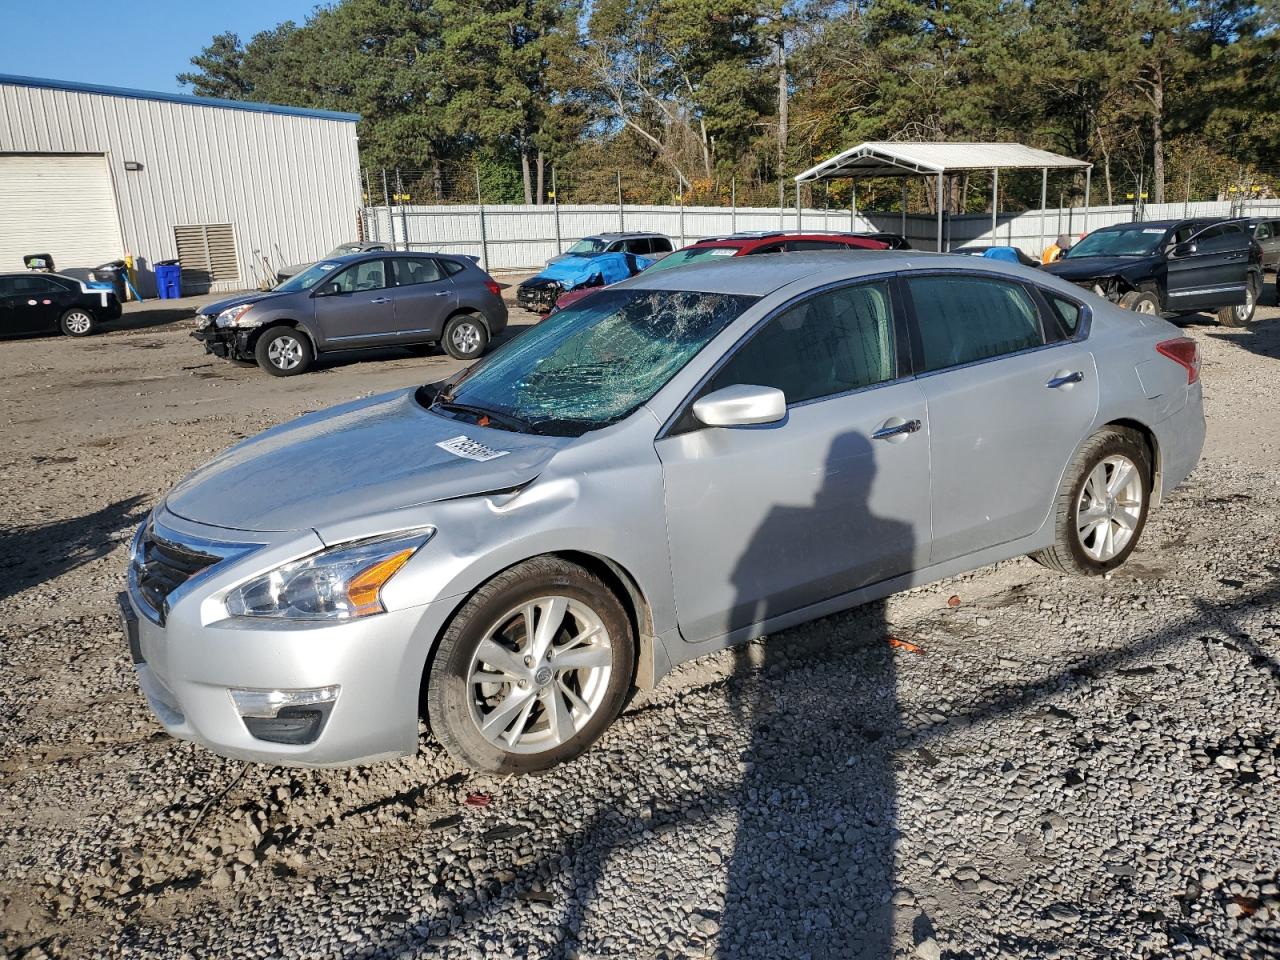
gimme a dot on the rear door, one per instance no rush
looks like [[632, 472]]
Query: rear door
[[1009, 399], [1268, 236], [36, 303], [354, 308], [423, 297]]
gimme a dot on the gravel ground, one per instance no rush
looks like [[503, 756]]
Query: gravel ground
[[1051, 768]]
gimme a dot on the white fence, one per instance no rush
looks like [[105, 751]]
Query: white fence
[[526, 236]]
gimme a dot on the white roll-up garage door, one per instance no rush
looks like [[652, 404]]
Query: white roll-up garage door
[[59, 204]]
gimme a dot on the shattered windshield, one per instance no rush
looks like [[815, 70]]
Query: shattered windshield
[[594, 362], [693, 255]]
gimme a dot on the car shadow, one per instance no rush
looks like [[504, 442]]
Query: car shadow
[[36, 553]]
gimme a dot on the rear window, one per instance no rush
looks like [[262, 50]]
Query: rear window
[[452, 267]]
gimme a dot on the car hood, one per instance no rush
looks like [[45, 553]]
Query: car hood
[[1086, 268], [362, 458], [215, 308]]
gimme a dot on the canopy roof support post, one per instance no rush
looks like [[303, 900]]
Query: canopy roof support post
[[1044, 202], [1088, 175], [995, 203], [939, 212], [904, 209], [797, 206], [853, 205]]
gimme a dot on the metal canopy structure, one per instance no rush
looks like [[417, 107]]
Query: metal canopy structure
[[943, 159]]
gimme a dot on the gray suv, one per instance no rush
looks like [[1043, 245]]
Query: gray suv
[[354, 302]]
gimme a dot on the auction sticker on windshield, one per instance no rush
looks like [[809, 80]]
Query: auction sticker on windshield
[[470, 449]]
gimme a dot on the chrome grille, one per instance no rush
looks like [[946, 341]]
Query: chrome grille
[[161, 566]]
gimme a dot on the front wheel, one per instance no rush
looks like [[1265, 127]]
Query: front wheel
[[1102, 505], [283, 352], [465, 337], [1241, 313], [78, 322], [1141, 301], [532, 670]]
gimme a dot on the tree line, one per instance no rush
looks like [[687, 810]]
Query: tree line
[[1172, 98]]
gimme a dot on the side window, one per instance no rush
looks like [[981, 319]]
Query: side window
[[1220, 238], [34, 284], [451, 267], [7, 287], [367, 275], [639, 246], [659, 245], [771, 248], [798, 245], [1067, 312], [836, 341], [962, 319], [408, 272], [1263, 232]]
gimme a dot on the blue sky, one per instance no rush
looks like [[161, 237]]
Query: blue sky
[[127, 43]]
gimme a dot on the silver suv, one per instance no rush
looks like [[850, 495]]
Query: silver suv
[[678, 463], [358, 301]]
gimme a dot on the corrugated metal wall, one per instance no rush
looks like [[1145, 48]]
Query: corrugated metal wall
[[289, 185]]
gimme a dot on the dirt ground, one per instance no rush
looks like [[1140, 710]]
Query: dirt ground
[[112, 836]]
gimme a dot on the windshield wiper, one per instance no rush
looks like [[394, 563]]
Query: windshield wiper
[[506, 420]]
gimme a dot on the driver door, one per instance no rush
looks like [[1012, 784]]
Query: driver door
[[764, 520], [1212, 273], [354, 308]]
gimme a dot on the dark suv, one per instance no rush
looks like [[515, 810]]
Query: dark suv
[[356, 301], [1170, 266]]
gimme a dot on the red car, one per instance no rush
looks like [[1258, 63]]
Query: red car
[[742, 245]]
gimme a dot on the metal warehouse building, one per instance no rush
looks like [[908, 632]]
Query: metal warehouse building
[[234, 190]]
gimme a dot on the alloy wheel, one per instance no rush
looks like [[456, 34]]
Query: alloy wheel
[[79, 322], [285, 353], [1147, 306], [465, 336], [1109, 508], [540, 674], [1245, 310]]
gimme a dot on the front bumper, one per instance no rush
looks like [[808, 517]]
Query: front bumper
[[206, 676], [229, 343], [538, 298]]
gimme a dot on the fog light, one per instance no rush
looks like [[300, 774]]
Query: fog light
[[285, 716]]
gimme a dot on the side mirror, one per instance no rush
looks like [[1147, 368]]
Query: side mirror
[[1184, 249], [327, 290], [740, 405]]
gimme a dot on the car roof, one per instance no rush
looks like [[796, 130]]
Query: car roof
[[616, 235], [764, 238], [36, 273], [761, 276], [1170, 224]]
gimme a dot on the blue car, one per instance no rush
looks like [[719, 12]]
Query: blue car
[[592, 262]]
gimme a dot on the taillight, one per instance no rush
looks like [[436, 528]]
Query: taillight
[[1184, 352], [493, 287]]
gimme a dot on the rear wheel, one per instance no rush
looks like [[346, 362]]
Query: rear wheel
[[465, 337], [283, 352], [1102, 504], [1242, 313], [1141, 301], [78, 322], [532, 670]]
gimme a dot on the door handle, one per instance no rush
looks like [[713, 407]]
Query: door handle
[[890, 430], [1065, 379], [380, 300], [441, 293]]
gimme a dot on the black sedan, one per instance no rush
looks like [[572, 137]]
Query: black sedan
[[51, 303]]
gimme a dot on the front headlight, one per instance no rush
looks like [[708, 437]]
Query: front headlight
[[231, 317], [342, 583]]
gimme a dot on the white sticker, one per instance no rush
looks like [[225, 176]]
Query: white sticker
[[1153, 230], [470, 449]]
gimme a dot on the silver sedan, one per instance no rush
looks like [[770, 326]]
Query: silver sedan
[[679, 463]]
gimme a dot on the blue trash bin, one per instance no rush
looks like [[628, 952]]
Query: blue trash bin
[[169, 279]]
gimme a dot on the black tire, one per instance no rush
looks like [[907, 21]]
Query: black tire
[[284, 352], [1241, 315], [1068, 553], [450, 711], [465, 336], [78, 322], [1141, 301]]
